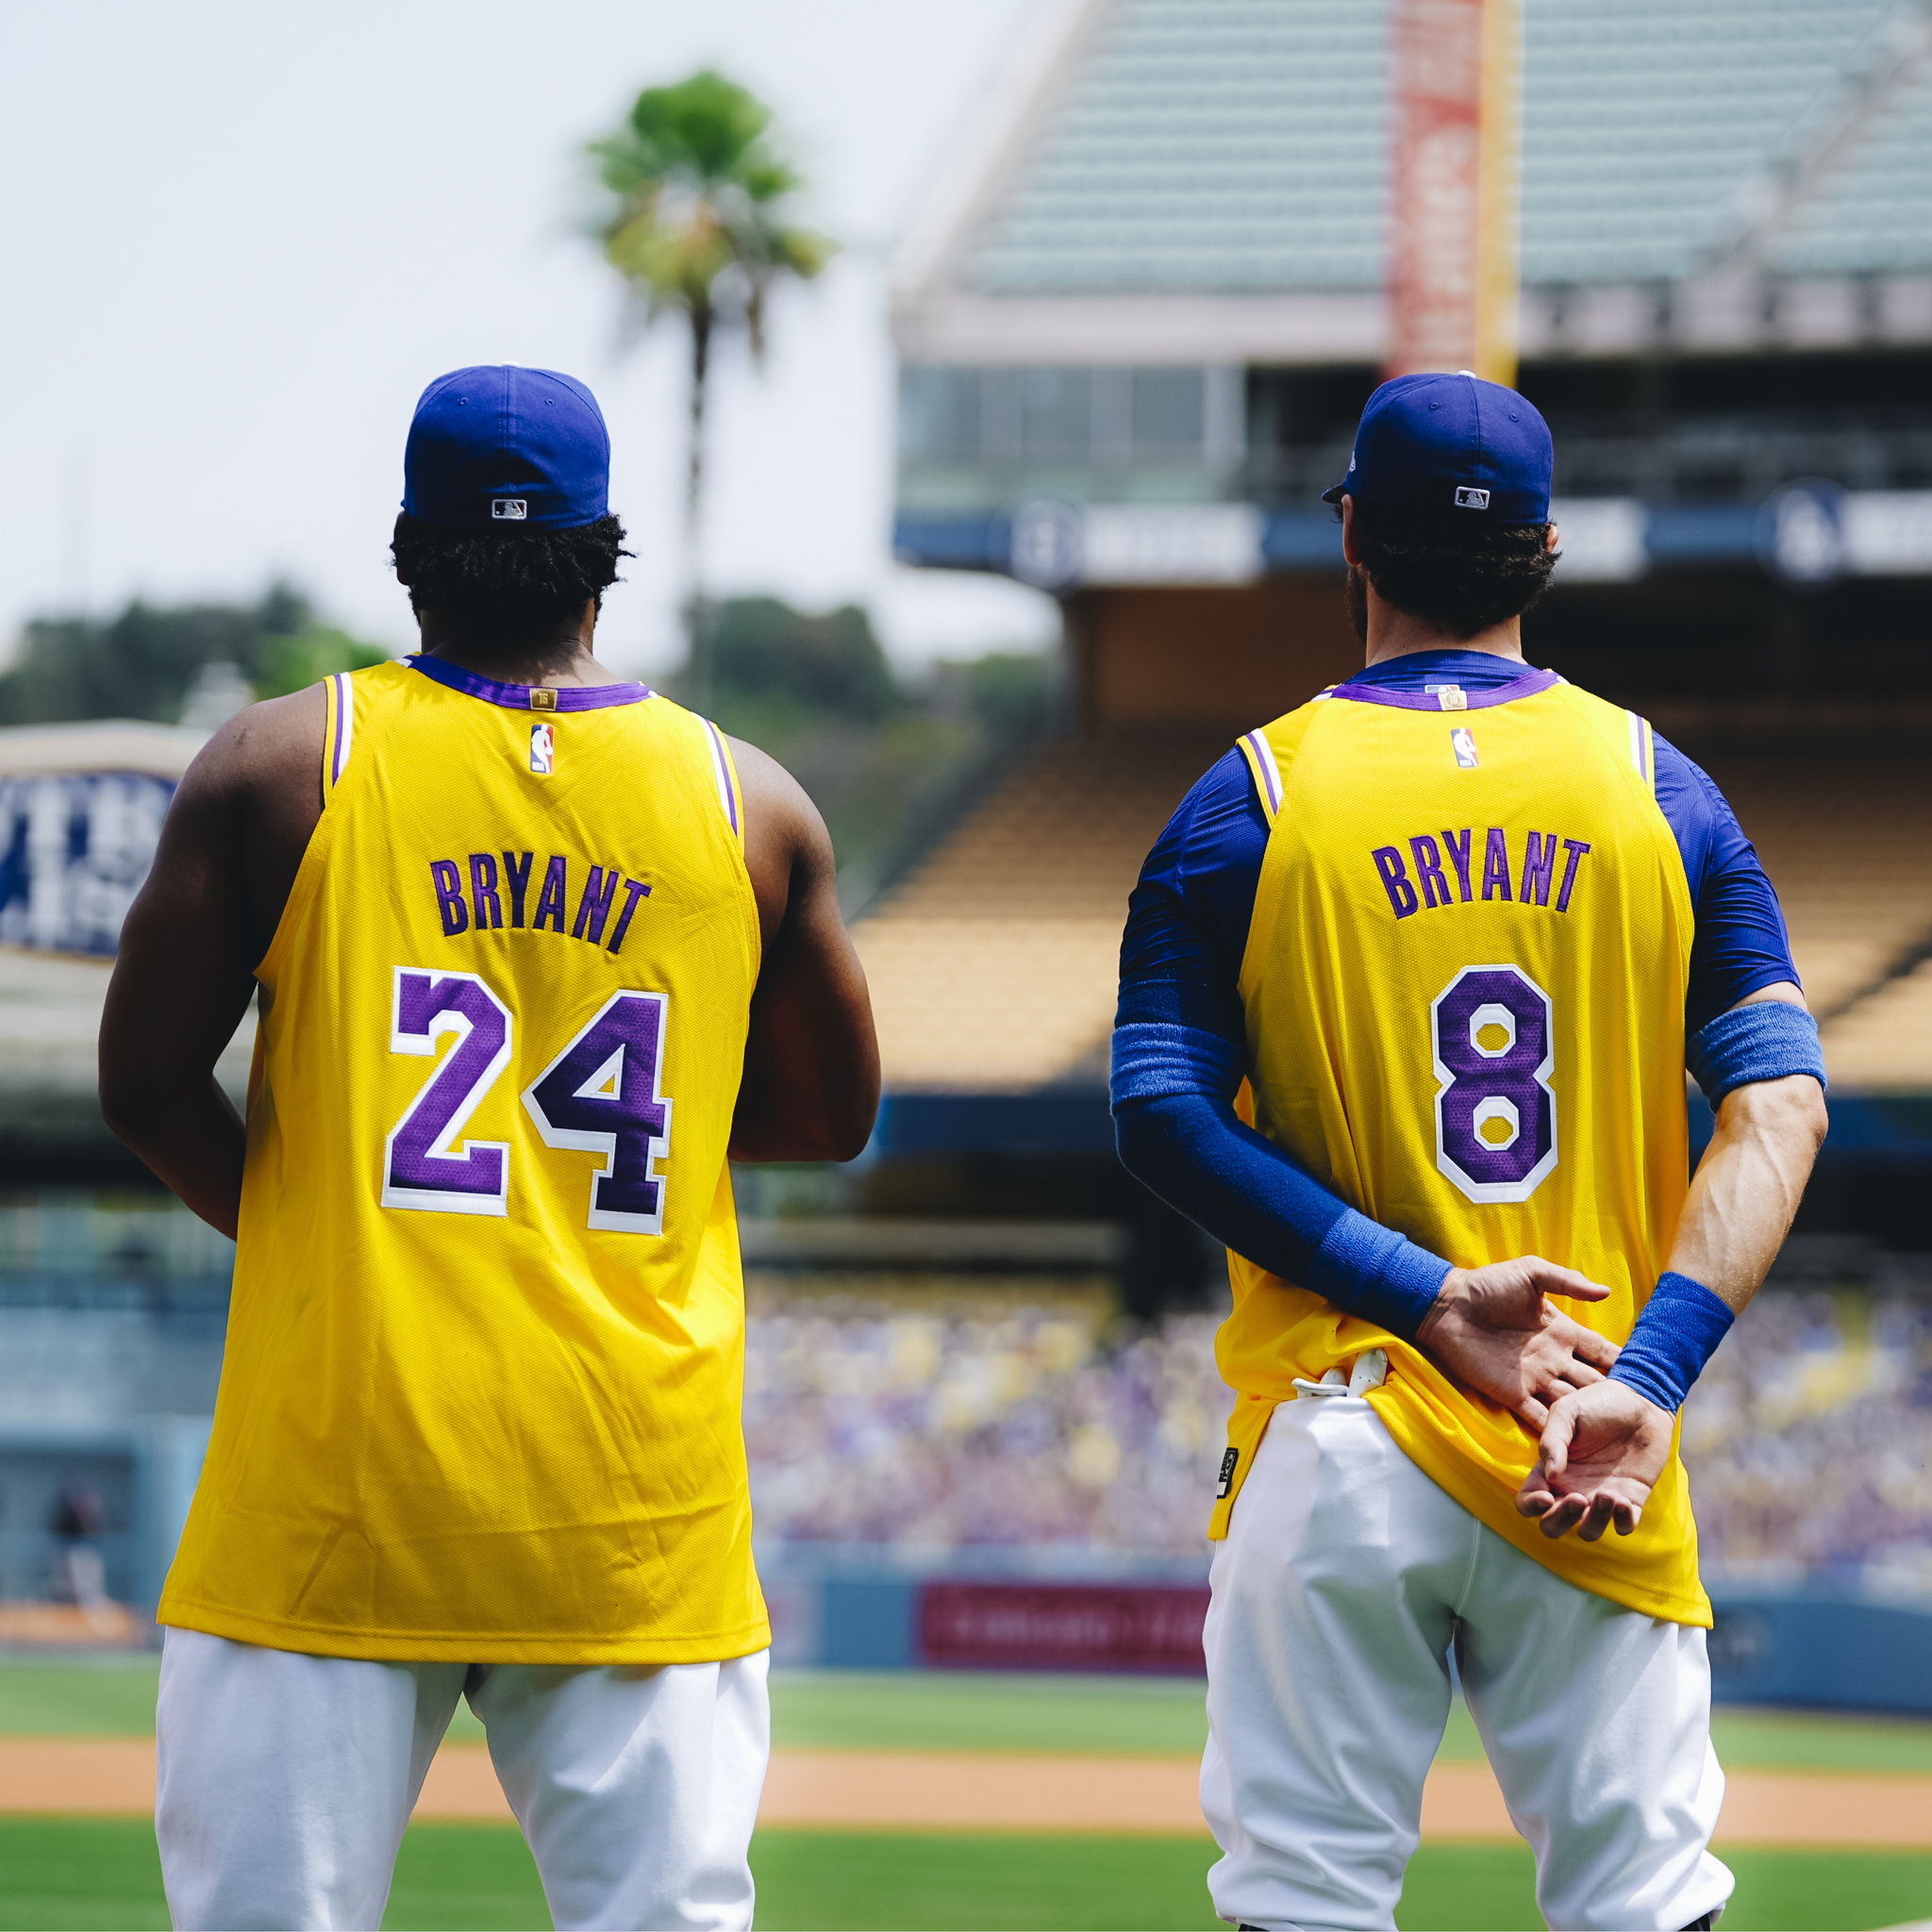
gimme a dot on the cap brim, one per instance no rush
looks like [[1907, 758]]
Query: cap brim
[[1335, 494]]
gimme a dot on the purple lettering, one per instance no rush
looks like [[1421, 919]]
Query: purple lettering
[[448, 882], [1495, 865], [1458, 857], [1428, 869], [1539, 860], [489, 907], [634, 890], [518, 877], [1575, 848], [550, 904], [1394, 880], [594, 908]]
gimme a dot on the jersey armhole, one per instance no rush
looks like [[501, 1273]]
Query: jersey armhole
[[1267, 773], [730, 793], [339, 731]]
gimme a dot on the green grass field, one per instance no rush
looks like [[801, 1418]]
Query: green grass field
[[103, 1873]]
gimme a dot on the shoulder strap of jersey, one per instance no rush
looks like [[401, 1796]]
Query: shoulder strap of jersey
[[1643, 753], [725, 772], [339, 736], [1260, 756], [1270, 750]]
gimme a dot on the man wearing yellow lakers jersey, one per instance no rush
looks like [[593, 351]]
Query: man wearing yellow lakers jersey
[[534, 949], [1407, 991]]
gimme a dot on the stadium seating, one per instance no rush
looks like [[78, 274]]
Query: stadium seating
[[1874, 211], [1231, 146], [993, 965]]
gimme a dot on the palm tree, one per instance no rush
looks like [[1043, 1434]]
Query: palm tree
[[698, 230]]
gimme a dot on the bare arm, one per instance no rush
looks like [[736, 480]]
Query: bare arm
[[811, 1062], [1605, 1448], [183, 976]]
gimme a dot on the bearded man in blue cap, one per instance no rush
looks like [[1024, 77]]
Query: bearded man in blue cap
[[534, 949], [1409, 989]]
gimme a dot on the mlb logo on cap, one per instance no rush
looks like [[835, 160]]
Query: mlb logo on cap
[[1450, 442], [515, 509]]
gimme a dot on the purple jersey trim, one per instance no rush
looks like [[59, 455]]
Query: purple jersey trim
[[1264, 759], [343, 703], [516, 697], [1524, 686], [721, 764]]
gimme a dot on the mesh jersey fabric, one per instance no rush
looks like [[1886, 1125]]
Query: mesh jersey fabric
[[480, 1398]]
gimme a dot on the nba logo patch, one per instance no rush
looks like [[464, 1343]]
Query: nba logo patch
[[543, 750], [1463, 744]]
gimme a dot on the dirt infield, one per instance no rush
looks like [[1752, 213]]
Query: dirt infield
[[923, 1791]]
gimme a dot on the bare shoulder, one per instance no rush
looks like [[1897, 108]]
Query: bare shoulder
[[788, 851], [779, 813], [271, 749]]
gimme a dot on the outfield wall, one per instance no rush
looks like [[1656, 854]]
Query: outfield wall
[[1821, 1650]]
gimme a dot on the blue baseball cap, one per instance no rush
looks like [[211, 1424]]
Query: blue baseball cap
[[498, 445], [1450, 442]]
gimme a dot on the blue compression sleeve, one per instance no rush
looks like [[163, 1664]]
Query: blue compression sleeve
[[1176, 1131], [1769, 1040], [1676, 1334]]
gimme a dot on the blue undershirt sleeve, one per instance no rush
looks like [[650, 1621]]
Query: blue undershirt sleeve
[[1740, 946], [1179, 1056]]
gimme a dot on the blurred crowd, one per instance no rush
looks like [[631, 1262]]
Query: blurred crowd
[[1809, 1440], [941, 1421], [916, 1418]]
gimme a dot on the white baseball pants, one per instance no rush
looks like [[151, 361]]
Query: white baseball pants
[[285, 1782], [1345, 1577]]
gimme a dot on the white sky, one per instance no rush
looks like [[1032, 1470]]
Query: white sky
[[239, 240]]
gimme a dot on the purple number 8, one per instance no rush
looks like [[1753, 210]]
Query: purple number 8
[[1495, 1115]]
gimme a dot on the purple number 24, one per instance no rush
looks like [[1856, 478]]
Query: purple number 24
[[599, 1096]]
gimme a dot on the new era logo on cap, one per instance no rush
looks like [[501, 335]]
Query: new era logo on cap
[[1466, 498], [517, 507]]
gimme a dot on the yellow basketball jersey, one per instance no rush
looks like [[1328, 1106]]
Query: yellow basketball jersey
[[481, 1399], [1464, 988]]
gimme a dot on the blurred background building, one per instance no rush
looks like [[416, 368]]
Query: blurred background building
[[1137, 318]]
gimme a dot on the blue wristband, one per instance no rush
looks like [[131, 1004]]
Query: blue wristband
[[1376, 1274], [1768, 1039], [1676, 1334]]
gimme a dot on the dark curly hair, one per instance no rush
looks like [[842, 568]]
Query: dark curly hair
[[506, 585], [1460, 576]]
